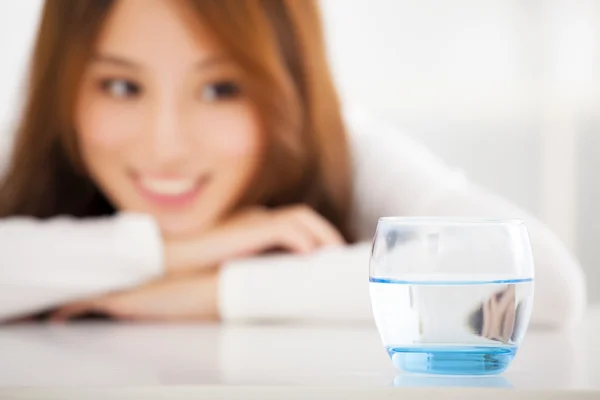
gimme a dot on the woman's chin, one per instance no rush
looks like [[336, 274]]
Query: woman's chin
[[182, 227]]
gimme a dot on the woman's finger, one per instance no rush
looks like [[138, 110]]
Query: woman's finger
[[73, 310], [508, 324], [293, 238], [322, 230], [488, 320]]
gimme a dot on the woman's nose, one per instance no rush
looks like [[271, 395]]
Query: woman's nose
[[168, 139]]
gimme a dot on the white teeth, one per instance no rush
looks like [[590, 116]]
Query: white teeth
[[170, 187]]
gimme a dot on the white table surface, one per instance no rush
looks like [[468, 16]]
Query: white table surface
[[105, 355]]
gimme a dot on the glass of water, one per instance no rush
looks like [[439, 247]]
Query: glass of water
[[450, 295]]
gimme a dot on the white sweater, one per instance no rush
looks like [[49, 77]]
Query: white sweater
[[47, 263]]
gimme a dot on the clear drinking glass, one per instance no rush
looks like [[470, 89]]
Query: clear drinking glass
[[450, 295]]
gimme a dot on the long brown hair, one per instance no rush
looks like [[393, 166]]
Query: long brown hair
[[278, 43]]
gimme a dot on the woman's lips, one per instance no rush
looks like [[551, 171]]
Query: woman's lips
[[169, 192]]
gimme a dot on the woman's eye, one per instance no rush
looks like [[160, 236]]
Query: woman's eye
[[220, 91], [120, 88]]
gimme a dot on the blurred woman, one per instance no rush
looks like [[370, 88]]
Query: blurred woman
[[187, 159]]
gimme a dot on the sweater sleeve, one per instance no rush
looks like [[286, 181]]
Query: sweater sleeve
[[392, 176], [411, 181], [47, 263], [331, 285]]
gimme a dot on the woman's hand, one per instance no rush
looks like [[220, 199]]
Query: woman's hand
[[498, 313], [191, 297], [296, 229]]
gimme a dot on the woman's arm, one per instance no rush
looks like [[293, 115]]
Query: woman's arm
[[396, 176], [47, 263], [393, 176]]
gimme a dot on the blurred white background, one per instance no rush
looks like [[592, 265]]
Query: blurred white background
[[508, 90]]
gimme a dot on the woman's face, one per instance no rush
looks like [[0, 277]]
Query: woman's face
[[163, 125]]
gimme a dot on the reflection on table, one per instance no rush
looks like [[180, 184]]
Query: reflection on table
[[193, 354], [415, 380]]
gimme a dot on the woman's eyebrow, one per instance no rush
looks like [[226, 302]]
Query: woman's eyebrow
[[113, 59], [204, 63], [212, 61]]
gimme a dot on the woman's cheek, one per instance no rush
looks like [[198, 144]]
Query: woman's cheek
[[236, 133], [106, 125]]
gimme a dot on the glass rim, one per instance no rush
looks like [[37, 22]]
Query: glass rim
[[449, 221]]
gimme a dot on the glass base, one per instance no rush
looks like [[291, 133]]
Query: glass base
[[453, 360]]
